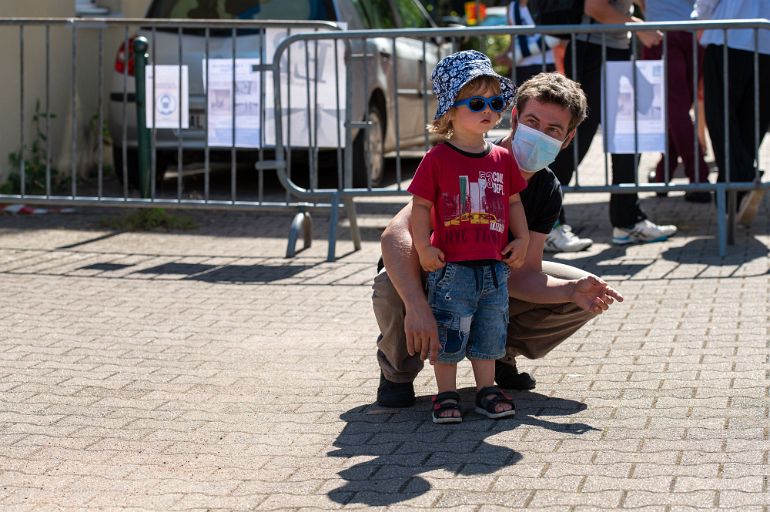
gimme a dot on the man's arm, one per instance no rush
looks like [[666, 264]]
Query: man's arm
[[403, 266], [604, 12], [531, 284]]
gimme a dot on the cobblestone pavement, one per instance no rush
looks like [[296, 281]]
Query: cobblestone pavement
[[201, 370]]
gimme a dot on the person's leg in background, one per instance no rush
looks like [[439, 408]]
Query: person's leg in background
[[629, 222], [716, 109], [744, 109], [679, 99], [681, 96], [587, 73], [625, 210], [747, 111], [739, 111]]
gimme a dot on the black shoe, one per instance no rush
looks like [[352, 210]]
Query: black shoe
[[698, 196], [395, 394], [508, 377]]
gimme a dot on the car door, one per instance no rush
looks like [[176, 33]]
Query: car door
[[378, 15], [416, 59]]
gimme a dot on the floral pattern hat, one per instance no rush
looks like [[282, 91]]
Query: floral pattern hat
[[456, 70]]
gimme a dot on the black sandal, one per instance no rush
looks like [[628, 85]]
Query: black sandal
[[446, 401], [487, 406]]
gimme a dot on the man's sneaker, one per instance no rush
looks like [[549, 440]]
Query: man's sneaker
[[395, 394], [508, 377], [562, 239], [749, 206], [643, 231]]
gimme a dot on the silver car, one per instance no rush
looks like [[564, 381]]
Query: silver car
[[373, 92]]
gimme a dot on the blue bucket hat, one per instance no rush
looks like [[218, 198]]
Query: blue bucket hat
[[454, 71]]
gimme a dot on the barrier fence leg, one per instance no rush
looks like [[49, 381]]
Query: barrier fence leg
[[355, 233], [721, 228], [301, 221], [333, 219], [732, 199]]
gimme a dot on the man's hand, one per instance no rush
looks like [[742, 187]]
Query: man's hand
[[594, 295], [431, 258], [650, 38], [421, 332], [518, 250]]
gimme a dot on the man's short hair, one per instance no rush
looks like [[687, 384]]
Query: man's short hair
[[554, 88]]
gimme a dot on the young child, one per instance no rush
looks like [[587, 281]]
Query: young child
[[466, 190]]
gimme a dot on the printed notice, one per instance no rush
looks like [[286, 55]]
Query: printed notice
[[313, 95], [645, 131], [170, 97], [246, 95]]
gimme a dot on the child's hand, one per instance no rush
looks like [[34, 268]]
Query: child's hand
[[517, 250], [431, 258]]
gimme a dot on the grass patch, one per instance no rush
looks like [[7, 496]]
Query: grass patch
[[151, 219]]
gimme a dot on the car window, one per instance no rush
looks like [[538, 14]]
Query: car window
[[376, 13], [243, 9], [411, 14]]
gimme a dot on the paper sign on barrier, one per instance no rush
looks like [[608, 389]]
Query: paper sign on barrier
[[170, 99], [645, 132]]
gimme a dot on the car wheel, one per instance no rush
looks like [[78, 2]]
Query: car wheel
[[374, 155], [132, 159]]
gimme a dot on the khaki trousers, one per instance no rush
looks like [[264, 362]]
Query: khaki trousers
[[533, 329]]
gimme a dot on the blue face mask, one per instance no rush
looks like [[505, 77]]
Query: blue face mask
[[533, 149]]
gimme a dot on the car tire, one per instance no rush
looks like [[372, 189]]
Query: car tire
[[132, 159], [375, 156]]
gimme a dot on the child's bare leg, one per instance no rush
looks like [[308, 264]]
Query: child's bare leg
[[484, 373], [446, 379]]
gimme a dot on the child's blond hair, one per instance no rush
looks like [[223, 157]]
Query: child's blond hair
[[443, 125]]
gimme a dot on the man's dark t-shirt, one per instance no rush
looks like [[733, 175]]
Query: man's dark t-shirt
[[541, 200]]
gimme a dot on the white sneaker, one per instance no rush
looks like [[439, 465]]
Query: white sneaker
[[562, 239], [643, 231]]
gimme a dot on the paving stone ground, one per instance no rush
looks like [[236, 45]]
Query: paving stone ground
[[201, 370]]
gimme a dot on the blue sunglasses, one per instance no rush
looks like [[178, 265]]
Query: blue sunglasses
[[479, 103]]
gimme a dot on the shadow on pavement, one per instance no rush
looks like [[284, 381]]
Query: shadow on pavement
[[746, 248], [405, 443]]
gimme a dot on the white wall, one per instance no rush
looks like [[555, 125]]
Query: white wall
[[61, 95], [34, 73]]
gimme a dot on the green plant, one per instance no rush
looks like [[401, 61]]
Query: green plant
[[95, 134], [151, 219], [498, 45], [36, 161]]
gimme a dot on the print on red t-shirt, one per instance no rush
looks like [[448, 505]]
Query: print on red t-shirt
[[470, 195]]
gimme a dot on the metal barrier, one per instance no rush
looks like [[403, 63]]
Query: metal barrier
[[141, 156], [724, 191], [341, 101]]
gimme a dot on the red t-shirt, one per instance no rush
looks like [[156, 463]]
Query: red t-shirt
[[469, 192]]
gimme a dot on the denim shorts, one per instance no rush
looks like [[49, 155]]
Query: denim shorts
[[470, 303]]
